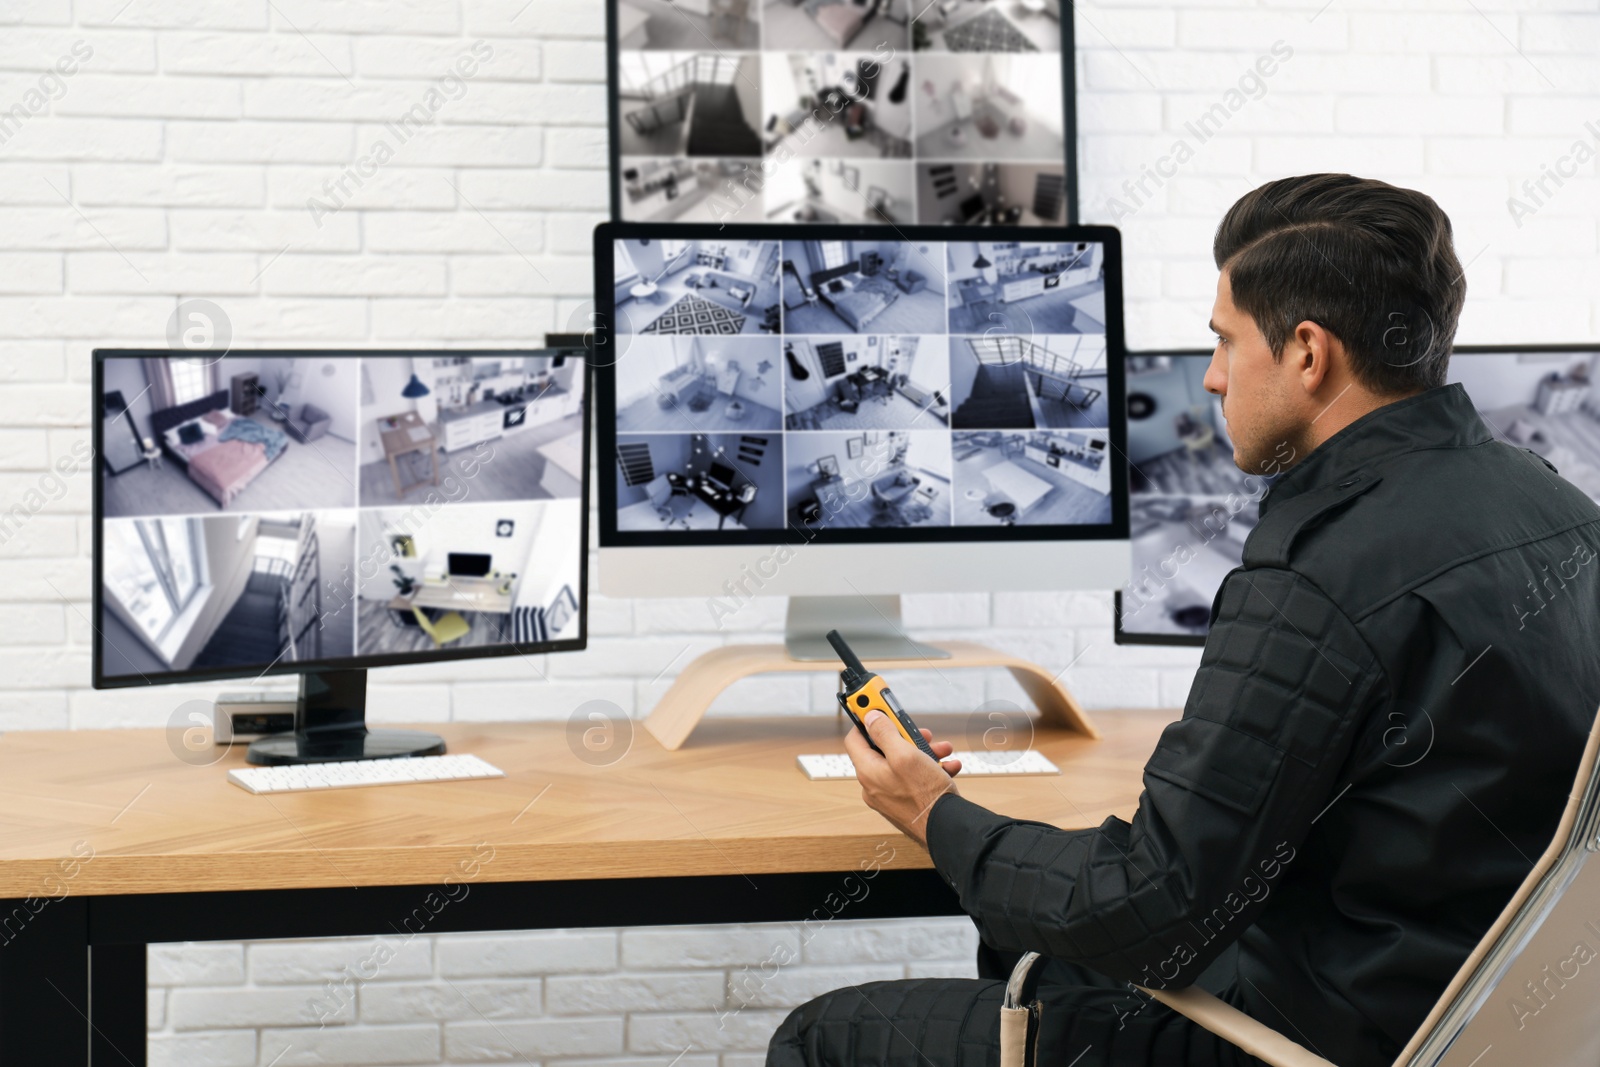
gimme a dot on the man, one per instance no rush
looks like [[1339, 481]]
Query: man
[[1386, 720]]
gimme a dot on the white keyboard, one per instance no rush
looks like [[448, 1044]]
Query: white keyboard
[[973, 764], [299, 777]]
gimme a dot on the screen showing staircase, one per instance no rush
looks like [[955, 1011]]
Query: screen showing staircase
[[953, 386], [841, 111], [286, 510]]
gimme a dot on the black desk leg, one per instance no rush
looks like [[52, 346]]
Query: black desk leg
[[117, 998], [44, 981]]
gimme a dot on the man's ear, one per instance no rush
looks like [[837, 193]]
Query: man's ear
[[1312, 349]]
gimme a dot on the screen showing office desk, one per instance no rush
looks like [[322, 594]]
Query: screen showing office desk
[[841, 111], [271, 511], [1190, 508], [861, 387]]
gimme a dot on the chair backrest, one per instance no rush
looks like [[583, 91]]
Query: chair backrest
[[425, 622], [1531, 989], [960, 102], [659, 490]]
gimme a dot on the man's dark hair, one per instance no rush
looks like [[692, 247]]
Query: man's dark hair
[[1371, 263]]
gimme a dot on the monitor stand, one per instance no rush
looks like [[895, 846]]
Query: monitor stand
[[330, 725], [871, 625]]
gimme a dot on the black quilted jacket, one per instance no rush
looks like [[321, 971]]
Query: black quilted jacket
[[1386, 721]]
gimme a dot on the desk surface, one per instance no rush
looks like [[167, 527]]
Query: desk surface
[[460, 594], [723, 501], [975, 291], [730, 802], [398, 441]]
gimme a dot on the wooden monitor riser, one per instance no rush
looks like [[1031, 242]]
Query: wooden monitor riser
[[681, 709]]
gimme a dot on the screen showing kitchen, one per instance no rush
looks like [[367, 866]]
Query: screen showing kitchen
[[886, 400], [479, 428]]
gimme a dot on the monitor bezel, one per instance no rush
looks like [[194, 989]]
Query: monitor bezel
[[605, 393], [1121, 636], [1069, 118], [101, 680]]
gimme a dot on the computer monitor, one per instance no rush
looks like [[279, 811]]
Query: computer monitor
[[722, 474], [876, 112], [322, 513], [470, 564], [1190, 508], [940, 421]]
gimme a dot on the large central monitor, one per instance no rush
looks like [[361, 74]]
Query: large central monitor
[[853, 412], [1192, 508], [323, 512]]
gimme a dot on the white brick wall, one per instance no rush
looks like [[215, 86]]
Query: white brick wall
[[606, 997], [179, 161]]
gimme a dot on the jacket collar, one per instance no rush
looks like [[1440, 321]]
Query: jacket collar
[[1439, 418]]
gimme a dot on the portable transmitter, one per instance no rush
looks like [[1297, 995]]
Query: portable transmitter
[[860, 691]]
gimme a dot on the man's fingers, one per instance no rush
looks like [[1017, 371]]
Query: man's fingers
[[883, 731], [941, 749], [952, 767], [856, 747]]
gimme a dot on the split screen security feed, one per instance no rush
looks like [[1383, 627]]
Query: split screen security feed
[[840, 111], [764, 385], [1191, 508], [268, 510]]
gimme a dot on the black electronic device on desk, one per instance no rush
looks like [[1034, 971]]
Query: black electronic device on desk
[[861, 691]]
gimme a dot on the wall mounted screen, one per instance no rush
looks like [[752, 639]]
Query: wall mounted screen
[[842, 111]]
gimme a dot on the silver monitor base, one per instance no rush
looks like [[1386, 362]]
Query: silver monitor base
[[871, 625]]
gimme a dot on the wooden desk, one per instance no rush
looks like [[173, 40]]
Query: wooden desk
[[401, 441], [725, 829], [976, 291], [460, 594]]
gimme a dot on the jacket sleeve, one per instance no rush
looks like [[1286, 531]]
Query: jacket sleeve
[[1229, 794]]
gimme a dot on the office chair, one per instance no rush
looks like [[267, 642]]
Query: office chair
[[1194, 429], [661, 491], [1531, 940], [849, 396], [1004, 510], [452, 626]]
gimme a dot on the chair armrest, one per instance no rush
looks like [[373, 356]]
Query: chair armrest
[[1231, 1024]]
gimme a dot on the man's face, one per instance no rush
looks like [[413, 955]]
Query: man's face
[[1261, 396]]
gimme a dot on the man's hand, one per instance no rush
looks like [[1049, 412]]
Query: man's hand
[[902, 784]]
